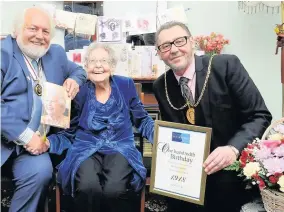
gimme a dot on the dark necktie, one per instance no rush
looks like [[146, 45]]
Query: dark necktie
[[185, 90]]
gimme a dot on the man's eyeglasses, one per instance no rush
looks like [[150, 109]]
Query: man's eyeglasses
[[179, 42]]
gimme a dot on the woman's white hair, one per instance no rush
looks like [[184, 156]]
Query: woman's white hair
[[106, 47], [20, 21]]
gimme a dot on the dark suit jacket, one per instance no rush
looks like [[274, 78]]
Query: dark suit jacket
[[235, 110], [232, 105]]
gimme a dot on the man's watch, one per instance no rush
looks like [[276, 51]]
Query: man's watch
[[235, 150]]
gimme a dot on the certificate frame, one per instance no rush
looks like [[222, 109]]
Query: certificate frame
[[163, 188]]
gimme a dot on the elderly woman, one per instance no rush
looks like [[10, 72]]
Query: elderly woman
[[102, 163]]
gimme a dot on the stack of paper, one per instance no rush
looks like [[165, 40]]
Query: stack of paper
[[64, 19], [85, 24]]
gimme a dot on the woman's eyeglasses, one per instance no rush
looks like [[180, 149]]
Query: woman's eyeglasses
[[102, 62]]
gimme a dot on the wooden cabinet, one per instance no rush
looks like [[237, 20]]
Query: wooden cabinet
[[148, 97]]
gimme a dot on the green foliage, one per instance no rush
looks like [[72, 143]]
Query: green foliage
[[233, 167]]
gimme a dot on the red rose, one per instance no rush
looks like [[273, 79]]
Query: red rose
[[250, 146], [261, 184], [273, 179], [277, 175], [250, 158], [244, 156], [256, 177], [242, 165]]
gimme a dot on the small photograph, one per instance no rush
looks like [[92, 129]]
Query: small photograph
[[56, 106]]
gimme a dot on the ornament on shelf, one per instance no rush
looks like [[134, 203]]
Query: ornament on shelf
[[279, 29]]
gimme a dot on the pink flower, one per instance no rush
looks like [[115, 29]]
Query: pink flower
[[219, 47], [263, 153], [274, 165], [278, 175], [270, 143], [269, 155], [279, 151], [212, 43], [220, 37], [261, 184], [279, 128]]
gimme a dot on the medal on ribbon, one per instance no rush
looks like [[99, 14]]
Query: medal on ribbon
[[38, 89]]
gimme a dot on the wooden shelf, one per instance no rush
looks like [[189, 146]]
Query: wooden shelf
[[144, 79], [149, 99]]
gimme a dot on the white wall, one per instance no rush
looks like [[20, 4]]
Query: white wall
[[252, 38], [121, 8], [9, 9]]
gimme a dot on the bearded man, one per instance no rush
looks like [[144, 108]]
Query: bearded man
[[28, 59]]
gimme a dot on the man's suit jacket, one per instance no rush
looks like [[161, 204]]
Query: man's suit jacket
[[232, 105], [17, 91]]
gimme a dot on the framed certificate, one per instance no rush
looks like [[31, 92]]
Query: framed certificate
[[179, 152]]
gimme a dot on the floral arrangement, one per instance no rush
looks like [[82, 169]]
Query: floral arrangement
[[212, 44], [262, 161], [279, 29]]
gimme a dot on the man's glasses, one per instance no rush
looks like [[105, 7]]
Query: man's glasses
[[179, 42]]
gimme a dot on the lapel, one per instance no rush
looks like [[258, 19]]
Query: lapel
[[175, 95], [19, 57], [47, 67], [201, 71]]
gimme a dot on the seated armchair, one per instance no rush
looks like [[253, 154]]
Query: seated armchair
[[62, 199]]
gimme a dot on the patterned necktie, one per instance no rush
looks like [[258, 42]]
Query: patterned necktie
[[185, 90]]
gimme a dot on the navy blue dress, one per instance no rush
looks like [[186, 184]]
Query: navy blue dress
[[105, 128]]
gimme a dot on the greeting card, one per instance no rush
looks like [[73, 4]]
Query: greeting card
[[109, 29]]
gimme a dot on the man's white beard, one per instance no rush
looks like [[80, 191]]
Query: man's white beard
[[32, 51]]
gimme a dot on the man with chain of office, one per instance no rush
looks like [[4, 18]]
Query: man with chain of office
[[212, 91]]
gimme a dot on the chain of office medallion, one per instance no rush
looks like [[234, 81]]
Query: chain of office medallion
[[202, 91]]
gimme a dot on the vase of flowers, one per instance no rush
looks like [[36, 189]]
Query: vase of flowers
[[262, 163], [212, 44]]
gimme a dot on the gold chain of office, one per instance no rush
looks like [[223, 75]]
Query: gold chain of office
[[202, 91]]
